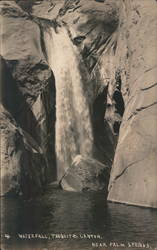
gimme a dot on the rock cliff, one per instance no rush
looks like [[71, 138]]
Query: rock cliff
[[133, 176], [28, 96], [79, 96]]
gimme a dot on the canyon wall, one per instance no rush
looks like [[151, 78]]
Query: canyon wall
[[134, 171], [83, 97], [44, 84], [28, 103]]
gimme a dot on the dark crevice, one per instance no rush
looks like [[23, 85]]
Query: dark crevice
[[116, 127], [78, 40], [100, 1], [104, 145], [42, 42], [119, 104], [49, 100], [26, 5], [69, 5], [9, 95]]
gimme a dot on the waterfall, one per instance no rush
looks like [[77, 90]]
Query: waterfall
[[73, 124]]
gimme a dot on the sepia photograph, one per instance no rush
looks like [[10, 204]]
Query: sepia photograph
[[78, 124]]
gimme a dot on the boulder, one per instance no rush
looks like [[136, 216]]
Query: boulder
[[85, 174]]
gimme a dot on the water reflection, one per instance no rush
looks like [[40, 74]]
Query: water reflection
[[75, 213]]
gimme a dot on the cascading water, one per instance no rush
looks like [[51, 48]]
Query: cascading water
[[73, 124]]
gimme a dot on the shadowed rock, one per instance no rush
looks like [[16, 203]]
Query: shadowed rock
[[28, 96], [22, 161]]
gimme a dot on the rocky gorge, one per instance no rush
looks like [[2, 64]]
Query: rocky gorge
[[79, 98]]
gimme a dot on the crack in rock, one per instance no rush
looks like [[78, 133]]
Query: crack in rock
[[140, 109], [124, 170], [149, 87]]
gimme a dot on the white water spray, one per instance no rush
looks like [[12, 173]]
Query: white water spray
[[73, 124]]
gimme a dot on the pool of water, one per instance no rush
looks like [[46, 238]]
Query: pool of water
[[62, 220]]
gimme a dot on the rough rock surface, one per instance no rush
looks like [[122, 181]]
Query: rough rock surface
[[22, 161], [27, 91], [86, 174]]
